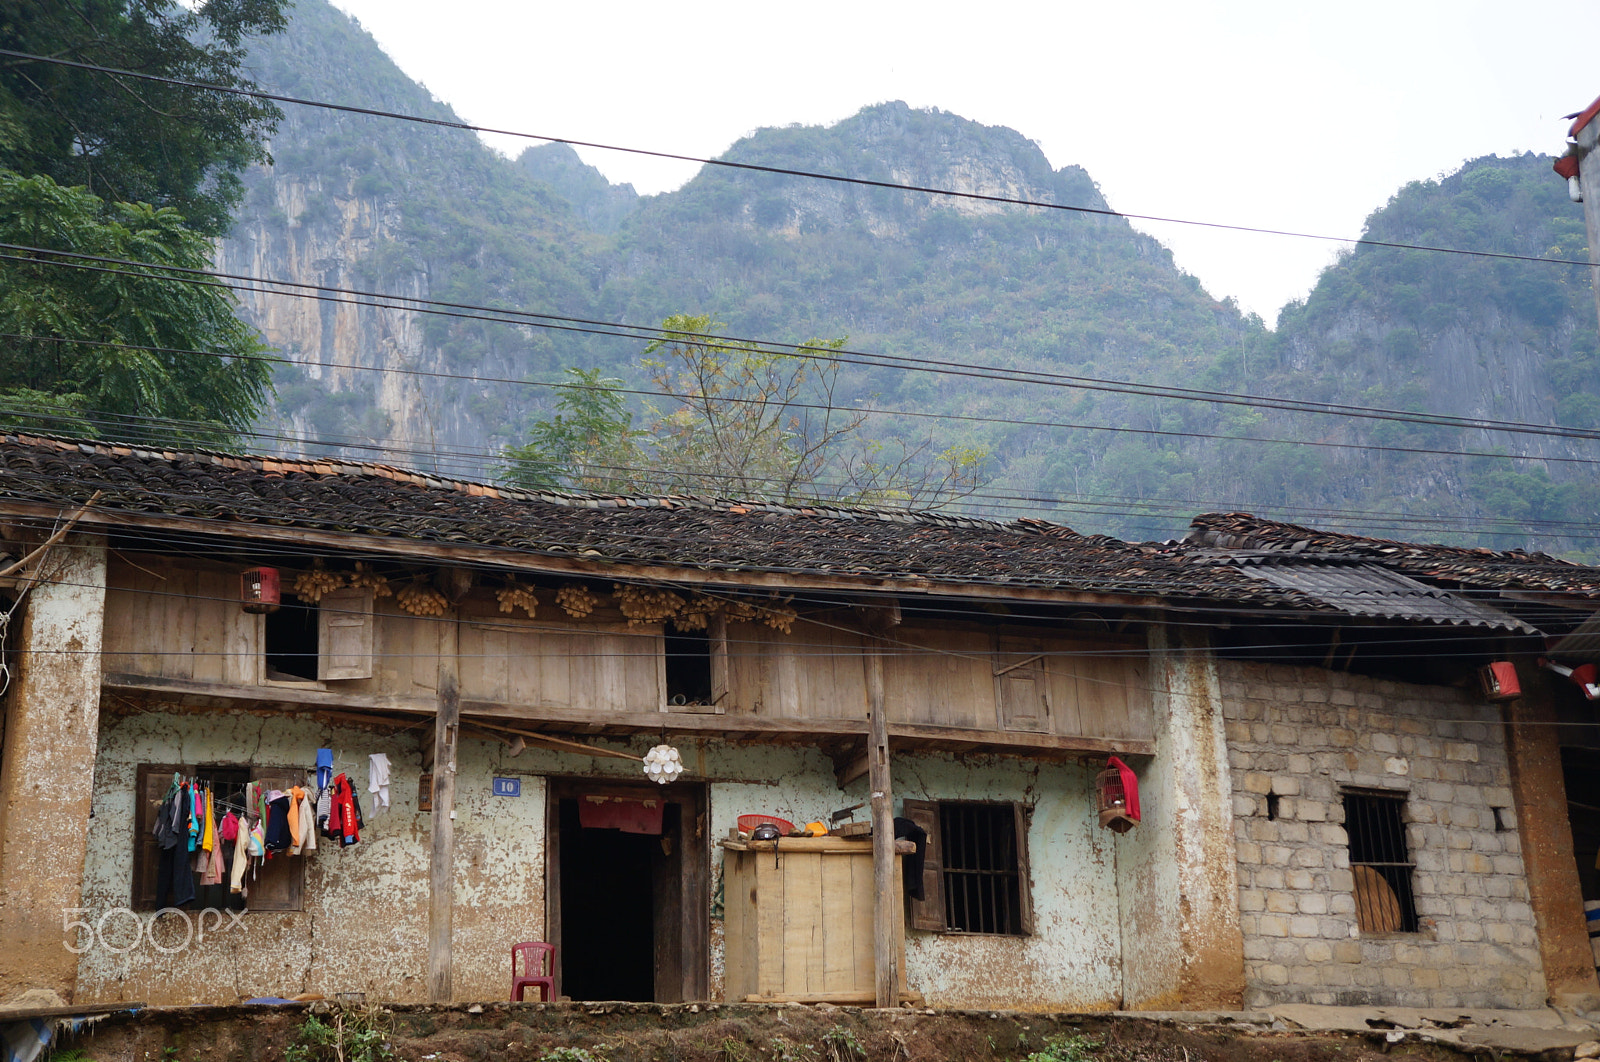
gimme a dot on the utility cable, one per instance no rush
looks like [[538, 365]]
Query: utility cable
[[215, 278]]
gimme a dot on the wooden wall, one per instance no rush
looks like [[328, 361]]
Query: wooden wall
[[179, 620]]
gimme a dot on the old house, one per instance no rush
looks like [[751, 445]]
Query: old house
[[1332, 808]]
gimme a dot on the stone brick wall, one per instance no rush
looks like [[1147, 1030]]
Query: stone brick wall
[[1303, 734]]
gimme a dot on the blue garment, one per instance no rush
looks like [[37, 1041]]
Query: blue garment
[[324, 768]]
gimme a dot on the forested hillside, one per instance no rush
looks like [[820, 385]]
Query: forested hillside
[[373, 204]]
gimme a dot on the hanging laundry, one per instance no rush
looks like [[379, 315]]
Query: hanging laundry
[[208, 838], [325, 808], [324, 768], [378, 781], [277, 829], [241, 857], [344, 818], [297, 823], [174, 882], [308, 823]]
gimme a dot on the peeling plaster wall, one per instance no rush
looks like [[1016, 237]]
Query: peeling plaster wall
[[364, 923], [363, 927], [1175, 871], [49, 748], [1303, 733], [1072, 961]]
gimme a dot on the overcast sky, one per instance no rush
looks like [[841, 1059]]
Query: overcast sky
[[1276, 114]]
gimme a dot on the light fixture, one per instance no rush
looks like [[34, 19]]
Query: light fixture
[[662, 764]]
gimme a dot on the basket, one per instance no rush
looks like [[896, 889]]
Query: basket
[[748, 823]]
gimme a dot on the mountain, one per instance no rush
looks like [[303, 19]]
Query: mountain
[[373, 204]]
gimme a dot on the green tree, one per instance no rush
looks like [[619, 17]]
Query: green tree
[[128, 139], [590, 444], [61, 365], [738, 420]]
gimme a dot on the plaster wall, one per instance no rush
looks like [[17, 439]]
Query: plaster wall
[[1175, 872], [1303, 734], [364, 923], [51, 725]]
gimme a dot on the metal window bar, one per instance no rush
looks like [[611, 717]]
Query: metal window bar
[[981, 872], [1380, 863]]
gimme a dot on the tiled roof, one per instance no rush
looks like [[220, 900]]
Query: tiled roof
[[1472, 567], [361, 499], [229, 494]]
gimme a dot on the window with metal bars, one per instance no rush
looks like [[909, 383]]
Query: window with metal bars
[[982, 871], [1379, 862]]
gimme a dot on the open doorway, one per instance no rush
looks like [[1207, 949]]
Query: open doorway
[[627, 891], [1580, 770]]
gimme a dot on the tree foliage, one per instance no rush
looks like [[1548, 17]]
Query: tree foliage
[[128, 139], [737, 420], [61, 365]]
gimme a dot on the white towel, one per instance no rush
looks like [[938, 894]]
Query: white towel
[[378, 781]]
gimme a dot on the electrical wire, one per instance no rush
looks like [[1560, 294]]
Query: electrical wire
[[775, 170], [469, 311]]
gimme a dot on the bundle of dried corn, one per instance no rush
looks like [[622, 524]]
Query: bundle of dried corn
[[643, 604], [514, 595], [577, 599], [310, 586], [365, 576], [420, 599]]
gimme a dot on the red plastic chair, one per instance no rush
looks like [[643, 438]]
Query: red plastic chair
[[536, 956]]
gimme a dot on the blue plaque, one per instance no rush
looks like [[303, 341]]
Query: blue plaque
[[508, 787]]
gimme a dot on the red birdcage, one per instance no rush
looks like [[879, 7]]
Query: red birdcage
[[259, 590], [1116, 791]]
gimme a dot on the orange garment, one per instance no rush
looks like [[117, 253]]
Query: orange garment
[[208, 839], [297, 796]]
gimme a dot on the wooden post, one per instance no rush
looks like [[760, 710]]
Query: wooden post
[[441, 883], [886, 902]]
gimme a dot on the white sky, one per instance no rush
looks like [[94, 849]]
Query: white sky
[[1279, 114]]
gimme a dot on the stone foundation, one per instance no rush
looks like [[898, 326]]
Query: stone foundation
[[1303, 735]]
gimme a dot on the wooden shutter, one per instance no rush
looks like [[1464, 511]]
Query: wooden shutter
[[1023, 687], [151, 782], [344, 634], [1022, 816], [276, 885], [928, 912]]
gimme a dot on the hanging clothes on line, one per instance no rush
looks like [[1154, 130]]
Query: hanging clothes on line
[[378, 781]]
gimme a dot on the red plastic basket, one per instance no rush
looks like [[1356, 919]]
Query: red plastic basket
[[748, 823]]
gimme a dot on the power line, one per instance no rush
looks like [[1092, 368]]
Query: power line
[[775, 170], [475, 464], [871, 411], [322, 292]]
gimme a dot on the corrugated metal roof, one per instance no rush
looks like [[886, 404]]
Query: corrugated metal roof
[[1582, 644], [1369, 590]]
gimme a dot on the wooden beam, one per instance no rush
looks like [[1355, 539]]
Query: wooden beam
[[441, 867], [849, 767], [885, 904], [562, 743]]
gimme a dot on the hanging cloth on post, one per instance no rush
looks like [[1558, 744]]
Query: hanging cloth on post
[[378, 781]]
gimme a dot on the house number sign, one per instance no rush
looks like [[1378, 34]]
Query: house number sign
[[508, 787]]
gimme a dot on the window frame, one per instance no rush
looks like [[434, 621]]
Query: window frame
[[280, 885], [930, 914], [1396, 876]]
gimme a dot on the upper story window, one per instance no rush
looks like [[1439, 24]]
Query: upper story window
[[332, 639]]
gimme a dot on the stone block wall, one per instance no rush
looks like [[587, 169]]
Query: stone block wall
[[1302, 735]]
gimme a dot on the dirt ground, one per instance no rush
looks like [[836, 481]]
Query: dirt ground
[[696, 1033]]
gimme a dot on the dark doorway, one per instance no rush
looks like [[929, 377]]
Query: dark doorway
[[607, 911], [1580, 769], [628, 912]]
